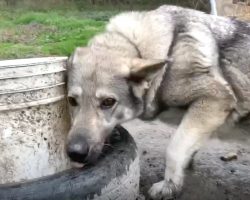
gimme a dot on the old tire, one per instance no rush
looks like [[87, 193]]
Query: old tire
[[115, 176]]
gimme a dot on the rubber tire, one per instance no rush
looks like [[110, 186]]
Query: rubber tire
[[90, 182]]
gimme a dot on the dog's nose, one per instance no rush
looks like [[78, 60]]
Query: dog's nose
[[78, 149]]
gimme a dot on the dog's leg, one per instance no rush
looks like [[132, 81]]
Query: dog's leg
[[203, 117]]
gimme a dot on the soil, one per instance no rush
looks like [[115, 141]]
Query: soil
[[210, 177]]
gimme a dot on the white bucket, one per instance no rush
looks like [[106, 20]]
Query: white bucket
[[33, 118]]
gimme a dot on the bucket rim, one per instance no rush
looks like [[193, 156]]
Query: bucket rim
[[32, 103], [30, 61]]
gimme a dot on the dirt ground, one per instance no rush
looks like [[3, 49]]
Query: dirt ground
[[210, 177]]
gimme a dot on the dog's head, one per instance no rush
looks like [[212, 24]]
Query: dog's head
[[103, 90]]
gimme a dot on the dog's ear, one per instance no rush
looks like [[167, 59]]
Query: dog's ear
[[141, 72], [79, 52], [145, 69], [69, 61]]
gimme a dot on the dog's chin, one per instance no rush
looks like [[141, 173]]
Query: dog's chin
[[77, 164], [92, 158]]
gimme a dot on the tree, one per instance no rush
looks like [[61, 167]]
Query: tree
[[213, 7]]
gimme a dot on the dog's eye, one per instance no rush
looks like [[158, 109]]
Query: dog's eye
[[72, 101], [108, 103]]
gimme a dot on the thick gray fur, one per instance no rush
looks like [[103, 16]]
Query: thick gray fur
[[148, 61]]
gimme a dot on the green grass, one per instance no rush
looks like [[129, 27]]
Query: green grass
[[58, 30], [25, 33]]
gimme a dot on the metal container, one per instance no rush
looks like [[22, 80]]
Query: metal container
[[33, 118]]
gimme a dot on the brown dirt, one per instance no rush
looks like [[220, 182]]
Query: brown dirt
[[25, 34]]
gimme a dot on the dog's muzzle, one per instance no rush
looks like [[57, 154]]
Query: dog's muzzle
[[81, 150], [78, 149]]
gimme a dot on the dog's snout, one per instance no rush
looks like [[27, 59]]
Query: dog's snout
[[78, 149]]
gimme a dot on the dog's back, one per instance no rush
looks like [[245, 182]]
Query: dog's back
[[168, 22], [233, 42]]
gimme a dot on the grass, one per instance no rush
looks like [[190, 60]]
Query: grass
[[25, 33], [58, 30]]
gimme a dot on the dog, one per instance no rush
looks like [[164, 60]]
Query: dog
[[145, 62]]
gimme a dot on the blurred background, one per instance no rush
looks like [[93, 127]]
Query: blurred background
[[33, 28]]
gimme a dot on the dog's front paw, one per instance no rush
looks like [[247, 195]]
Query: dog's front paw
[[164, 190]]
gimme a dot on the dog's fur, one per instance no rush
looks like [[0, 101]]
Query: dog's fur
[[147, 61]]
